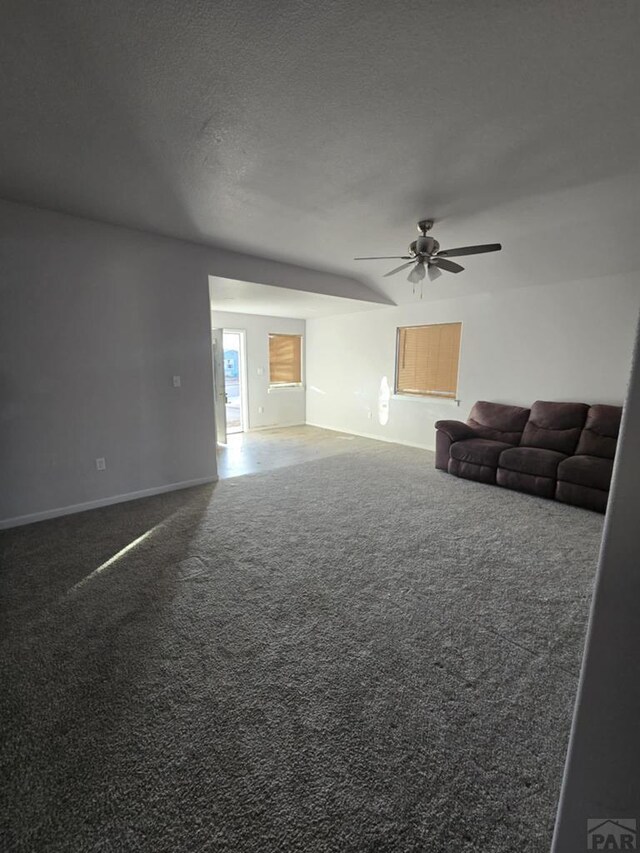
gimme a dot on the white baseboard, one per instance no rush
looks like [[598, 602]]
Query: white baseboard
[[19, 520], [430, 447], [275, 426]]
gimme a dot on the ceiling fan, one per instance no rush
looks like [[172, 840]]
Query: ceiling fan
[[426, 258]]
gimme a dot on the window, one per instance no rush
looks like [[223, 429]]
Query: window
[[285, 360], [427, 360]]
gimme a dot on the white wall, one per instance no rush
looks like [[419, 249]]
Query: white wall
[[95, 323], [601, 777], [568, 341], [95, 320], [280, 406]]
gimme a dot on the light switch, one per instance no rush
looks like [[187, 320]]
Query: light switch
[[177, 382], [101, 463], [260, 371]]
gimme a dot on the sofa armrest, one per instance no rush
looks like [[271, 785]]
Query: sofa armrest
[[446, 433], [456, 430]]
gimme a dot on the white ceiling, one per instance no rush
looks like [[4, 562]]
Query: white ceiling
[[246, 297], [312, 132]]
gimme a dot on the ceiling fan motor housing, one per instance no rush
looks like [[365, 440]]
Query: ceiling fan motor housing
[[424, 245]]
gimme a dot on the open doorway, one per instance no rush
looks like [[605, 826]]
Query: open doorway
[[229, 353], [233, 380]]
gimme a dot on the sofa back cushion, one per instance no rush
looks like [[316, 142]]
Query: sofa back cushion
[[498, 422], [555, 426], [600, 434]]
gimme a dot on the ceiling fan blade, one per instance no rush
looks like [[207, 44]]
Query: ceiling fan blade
[[385, 258], [417, 273], [433, 272], [398, 269], [469, 250], [449, 266]]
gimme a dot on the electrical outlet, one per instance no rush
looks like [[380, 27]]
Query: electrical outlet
[[177, 382], [101, 463]]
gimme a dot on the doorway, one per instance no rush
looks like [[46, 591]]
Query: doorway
[[229, 355], [233, 374]]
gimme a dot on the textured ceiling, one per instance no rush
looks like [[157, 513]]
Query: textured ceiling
[[315, 131]]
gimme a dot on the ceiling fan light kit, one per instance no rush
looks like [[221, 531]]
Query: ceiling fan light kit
[[426, 258], [434, 272], [417, 273]]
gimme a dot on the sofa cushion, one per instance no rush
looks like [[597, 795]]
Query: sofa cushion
[[497, 421], [570, 493], [544, 487], [480, 451], [531, 460], [555, 426], [600, 434], [471, 471], [590, 471]]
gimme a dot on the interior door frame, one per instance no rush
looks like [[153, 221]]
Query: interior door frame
[[218, 386], [243, 375]]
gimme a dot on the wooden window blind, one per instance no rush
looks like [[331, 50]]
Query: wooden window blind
[[285, 359], [427, 360]]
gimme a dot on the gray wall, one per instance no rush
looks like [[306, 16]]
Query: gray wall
[[95, 322], [602, 775]]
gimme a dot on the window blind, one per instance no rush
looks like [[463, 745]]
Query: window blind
[[427, 360], [285, 361]]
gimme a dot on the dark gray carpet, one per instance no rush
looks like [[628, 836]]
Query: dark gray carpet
[[355, 654]]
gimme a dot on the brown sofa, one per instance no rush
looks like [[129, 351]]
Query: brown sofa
[[554, 450]]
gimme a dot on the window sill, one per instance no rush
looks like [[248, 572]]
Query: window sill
[[293, 386], [427, 398]]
